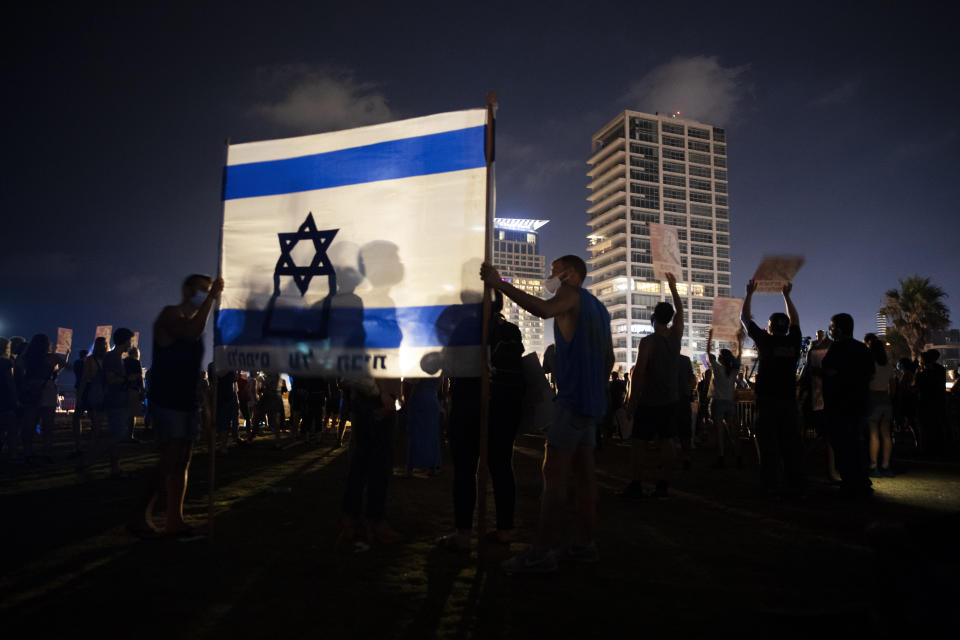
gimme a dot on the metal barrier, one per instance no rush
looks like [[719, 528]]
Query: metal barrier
[[747, 418]]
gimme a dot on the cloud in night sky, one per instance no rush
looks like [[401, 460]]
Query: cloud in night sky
[[840, 95], [699, 87], [321, 101], [539, 170]]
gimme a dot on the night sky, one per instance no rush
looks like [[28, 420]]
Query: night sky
[[842, 128]]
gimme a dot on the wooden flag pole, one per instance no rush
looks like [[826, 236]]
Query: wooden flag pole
[[484, 355], [211, 480]]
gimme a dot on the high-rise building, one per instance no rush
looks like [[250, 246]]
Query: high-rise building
[[516, 257], [881, 324], [651, 168]]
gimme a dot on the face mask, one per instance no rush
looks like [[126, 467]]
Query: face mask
[[551, 285], [198, 298]]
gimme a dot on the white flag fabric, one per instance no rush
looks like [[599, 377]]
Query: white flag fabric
[[356, 252]]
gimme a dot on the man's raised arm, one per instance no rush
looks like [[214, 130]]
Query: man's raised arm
[[176, 326], [565, 299], [677, 326], [791, 310], [745, 315]]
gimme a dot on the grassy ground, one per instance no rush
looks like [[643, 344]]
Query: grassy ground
[[714, 558]]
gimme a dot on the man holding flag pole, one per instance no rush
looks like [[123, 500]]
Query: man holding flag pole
[[584, 359]]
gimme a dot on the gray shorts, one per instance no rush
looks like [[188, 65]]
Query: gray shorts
[[171, 424], [571, 430], [880, 406], [720, 409]]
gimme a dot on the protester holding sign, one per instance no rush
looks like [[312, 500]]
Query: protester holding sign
[[38, 395], [778, 431], [93, 388], [654, 393], [722, 393], [115, 402]]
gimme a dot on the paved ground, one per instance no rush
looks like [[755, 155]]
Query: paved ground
[[714, 558]]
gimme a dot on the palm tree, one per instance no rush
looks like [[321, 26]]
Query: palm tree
[[916, 309]]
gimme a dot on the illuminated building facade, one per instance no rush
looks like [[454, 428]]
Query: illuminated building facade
[[650, 168], [881, 324], [516, 256]]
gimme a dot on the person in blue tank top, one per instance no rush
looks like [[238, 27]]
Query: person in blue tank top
[[584, 359], [175, 403]]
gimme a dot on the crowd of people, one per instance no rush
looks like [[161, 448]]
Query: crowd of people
[[845, 391]]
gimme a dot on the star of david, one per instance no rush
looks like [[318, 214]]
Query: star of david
[[319, 266]]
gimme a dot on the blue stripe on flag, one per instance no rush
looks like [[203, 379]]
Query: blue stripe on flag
[[356, 327], [423, 155]]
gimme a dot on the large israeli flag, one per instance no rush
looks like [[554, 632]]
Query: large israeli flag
[[356, 252]]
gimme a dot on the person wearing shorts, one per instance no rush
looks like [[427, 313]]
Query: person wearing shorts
[[174, 383], [654, 393], [584, 359], [880, 418], [722, 394]]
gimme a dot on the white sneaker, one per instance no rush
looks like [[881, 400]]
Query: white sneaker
[[529, 561]]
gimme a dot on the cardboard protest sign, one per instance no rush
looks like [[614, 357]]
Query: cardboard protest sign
[[776, 271], [64, 340], [726, 318], [104, 331], [135, 341], [665, 248]]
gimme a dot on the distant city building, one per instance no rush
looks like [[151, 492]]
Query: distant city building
[[650, 168], [516, 255], [881, 324]]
